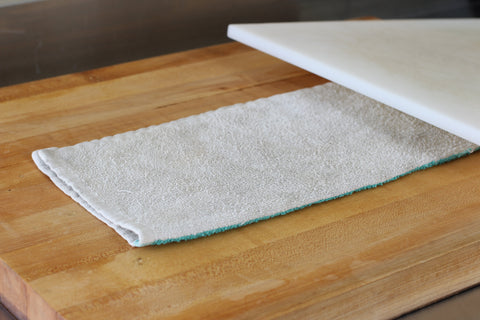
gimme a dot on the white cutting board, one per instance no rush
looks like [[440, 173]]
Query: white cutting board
[[429, 69]]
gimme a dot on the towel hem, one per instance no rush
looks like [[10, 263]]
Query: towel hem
[[202, 234]]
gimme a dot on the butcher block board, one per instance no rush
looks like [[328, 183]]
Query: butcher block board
[[375, 254]]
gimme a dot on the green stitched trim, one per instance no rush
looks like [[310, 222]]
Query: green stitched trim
[[218, 230]]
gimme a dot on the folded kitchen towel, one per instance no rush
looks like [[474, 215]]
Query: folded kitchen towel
[[248, 162]]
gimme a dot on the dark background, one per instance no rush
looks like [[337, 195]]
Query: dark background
[[40, 39]]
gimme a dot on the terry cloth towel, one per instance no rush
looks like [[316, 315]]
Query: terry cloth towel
[[248, 162]]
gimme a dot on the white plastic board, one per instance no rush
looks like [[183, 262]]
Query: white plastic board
[[429, 69]]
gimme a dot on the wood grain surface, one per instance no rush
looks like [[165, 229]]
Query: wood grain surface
[[373, 255]]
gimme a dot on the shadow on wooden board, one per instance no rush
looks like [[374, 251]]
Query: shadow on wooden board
[[4, 314]]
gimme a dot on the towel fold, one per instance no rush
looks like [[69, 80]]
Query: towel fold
[[244, 163]]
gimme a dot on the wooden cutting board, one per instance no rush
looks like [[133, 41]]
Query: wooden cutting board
[[375, 254]]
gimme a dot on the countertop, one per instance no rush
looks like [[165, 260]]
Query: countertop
[[379, 253]]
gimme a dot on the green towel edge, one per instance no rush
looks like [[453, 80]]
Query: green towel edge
[[136, 243]]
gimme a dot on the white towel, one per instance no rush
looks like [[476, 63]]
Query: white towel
[[248, 162]]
